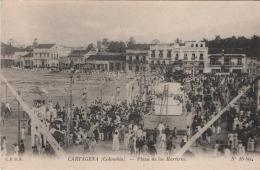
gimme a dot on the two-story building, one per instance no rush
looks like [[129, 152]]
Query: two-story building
[[27, 60], [77, 59], [137, 57], [190, 56], [48, 55], [45, 55], [18, 58], [10, 55], [226, 61]]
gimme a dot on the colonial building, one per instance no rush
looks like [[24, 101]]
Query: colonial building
[[106, 61], [253, 66], [18, 58], [189, 56], [226, 61], [137, 57], [10, 55], [47, 55], [76, 58], [27, 60]]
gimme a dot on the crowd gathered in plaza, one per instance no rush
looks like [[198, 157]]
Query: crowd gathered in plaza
[[209, 94], [122, 123]]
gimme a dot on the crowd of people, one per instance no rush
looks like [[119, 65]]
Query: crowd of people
[[207, 95], [122, 122]]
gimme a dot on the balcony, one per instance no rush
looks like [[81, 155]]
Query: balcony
[[226, 64], [201, 65], [215, 64], [232, 64]]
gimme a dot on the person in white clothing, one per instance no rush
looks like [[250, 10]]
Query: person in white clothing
[[163, 141], [16, 150], [126, 139], [160, 128], [3, 146], [23, 133], [115, 146], [227, 152], [218, 129]]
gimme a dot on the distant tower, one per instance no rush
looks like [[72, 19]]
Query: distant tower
[[35, 42], [10, 42]]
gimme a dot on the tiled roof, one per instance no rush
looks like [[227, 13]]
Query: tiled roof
[[107, 56], [45, 45], [78, 53]]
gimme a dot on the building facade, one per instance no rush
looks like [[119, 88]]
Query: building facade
[[190, 56], [137, 58], [18, 58], [253, 65], [10, 55], [48, 55], [27, 60], [226, 61], [106, 61], [77, 59]]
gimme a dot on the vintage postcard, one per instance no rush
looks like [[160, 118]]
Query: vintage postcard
[[130, 85]]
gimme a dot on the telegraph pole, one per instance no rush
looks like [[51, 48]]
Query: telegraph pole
[[5, 93], [19, 121], [69, 114]]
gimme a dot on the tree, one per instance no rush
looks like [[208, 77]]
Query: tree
[[131, 42], [90, 46], [206, 41], [35, 42], [248, 46], [155, 41], [217, 38], [116, 46], [105, 42], [10, 42]]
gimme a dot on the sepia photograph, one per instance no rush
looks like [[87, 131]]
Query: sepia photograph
[[92, 83]]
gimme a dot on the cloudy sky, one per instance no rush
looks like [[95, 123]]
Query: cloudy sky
[[77, 24]]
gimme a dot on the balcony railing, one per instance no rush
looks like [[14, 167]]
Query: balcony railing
[[215, 64], [226, 64]]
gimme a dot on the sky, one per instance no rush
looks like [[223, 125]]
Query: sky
[[80, 23]]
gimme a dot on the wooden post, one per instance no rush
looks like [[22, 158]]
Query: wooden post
[[19, 121], [5, 92]]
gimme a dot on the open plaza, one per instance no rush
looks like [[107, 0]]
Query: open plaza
[[119, 113], [138, 79]]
